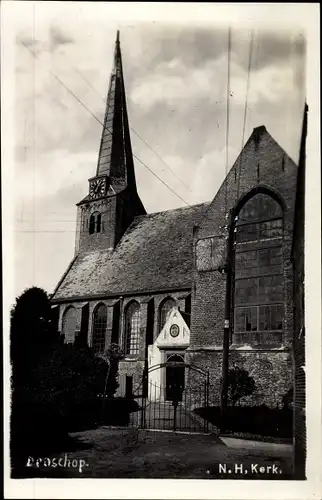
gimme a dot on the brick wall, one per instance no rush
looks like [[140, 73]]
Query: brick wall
[[97, 241], [299, 319], [117, 213], [262, 165], [272, 372]]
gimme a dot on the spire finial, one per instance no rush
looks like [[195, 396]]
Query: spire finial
[[118, 36]]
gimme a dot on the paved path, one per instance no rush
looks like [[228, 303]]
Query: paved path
[[162, 416], [247, 444]]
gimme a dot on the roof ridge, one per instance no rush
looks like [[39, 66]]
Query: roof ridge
[[173, 210]]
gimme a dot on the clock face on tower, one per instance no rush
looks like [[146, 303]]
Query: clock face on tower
[[97, 187]]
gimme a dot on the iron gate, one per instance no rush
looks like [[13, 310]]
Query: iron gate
[[169, 406]]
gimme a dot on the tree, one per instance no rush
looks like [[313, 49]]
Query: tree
[[31, 312], [240, 384], [53, 384], [32, 333], [32, 327]]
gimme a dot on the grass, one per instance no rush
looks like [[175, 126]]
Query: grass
[[133, 453]]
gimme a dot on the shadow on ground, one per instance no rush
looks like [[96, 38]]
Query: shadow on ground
[[132, 453]]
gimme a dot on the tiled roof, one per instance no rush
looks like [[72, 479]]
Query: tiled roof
[[154, 254]]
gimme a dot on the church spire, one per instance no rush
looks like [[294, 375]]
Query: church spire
[[115, 155], [112, 201]]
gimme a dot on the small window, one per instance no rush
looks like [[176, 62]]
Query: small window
[[69, 324], [259, 318], [246, 291], [246, 319], [271, 317], [271, 229], [260, 207], [98, 223], [132, 329], [99, 328], [92, 224], [95, 223], [246, 232]]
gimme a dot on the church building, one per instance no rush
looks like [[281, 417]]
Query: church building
[[190, 285]]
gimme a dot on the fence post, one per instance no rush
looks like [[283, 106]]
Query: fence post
[[143, 409], [175, 404], [207, 399]]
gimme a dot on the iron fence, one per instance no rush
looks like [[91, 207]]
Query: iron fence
[[171, 408]]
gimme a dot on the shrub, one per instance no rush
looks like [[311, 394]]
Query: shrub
[[117, 411], [239, 384], [287, 399]]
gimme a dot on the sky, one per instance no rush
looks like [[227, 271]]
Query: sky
[[176, 80]]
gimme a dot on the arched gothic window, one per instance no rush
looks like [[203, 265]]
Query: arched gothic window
[[95, 223], [166, 306], [132, 329], [258, 276], [99, 328], [69, 324]]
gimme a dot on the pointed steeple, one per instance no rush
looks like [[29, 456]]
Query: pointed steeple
[[112, 201], [115, 155]]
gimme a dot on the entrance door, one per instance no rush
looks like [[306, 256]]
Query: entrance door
[[175, 378]]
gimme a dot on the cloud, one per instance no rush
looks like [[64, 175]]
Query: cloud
[[58, 37], [48, 39], [277, 47], [47, 174], [173, 81], [26, 40], [176, 84], [196, 45]]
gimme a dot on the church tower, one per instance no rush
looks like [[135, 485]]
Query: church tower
[[112, 201]]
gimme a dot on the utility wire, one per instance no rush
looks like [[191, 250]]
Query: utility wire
[[102, 124], [245, 110], [135, 156], [161, 159], [227, 117], [227, 122], [131, 128]]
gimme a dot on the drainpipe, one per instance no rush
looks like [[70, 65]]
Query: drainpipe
[[121, 324], [146, 364], [121, 336]]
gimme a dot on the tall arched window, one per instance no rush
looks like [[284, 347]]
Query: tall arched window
[[132, 329], [69, 324], [95, 223], [165, 307], [258, 277], [99, 328]]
